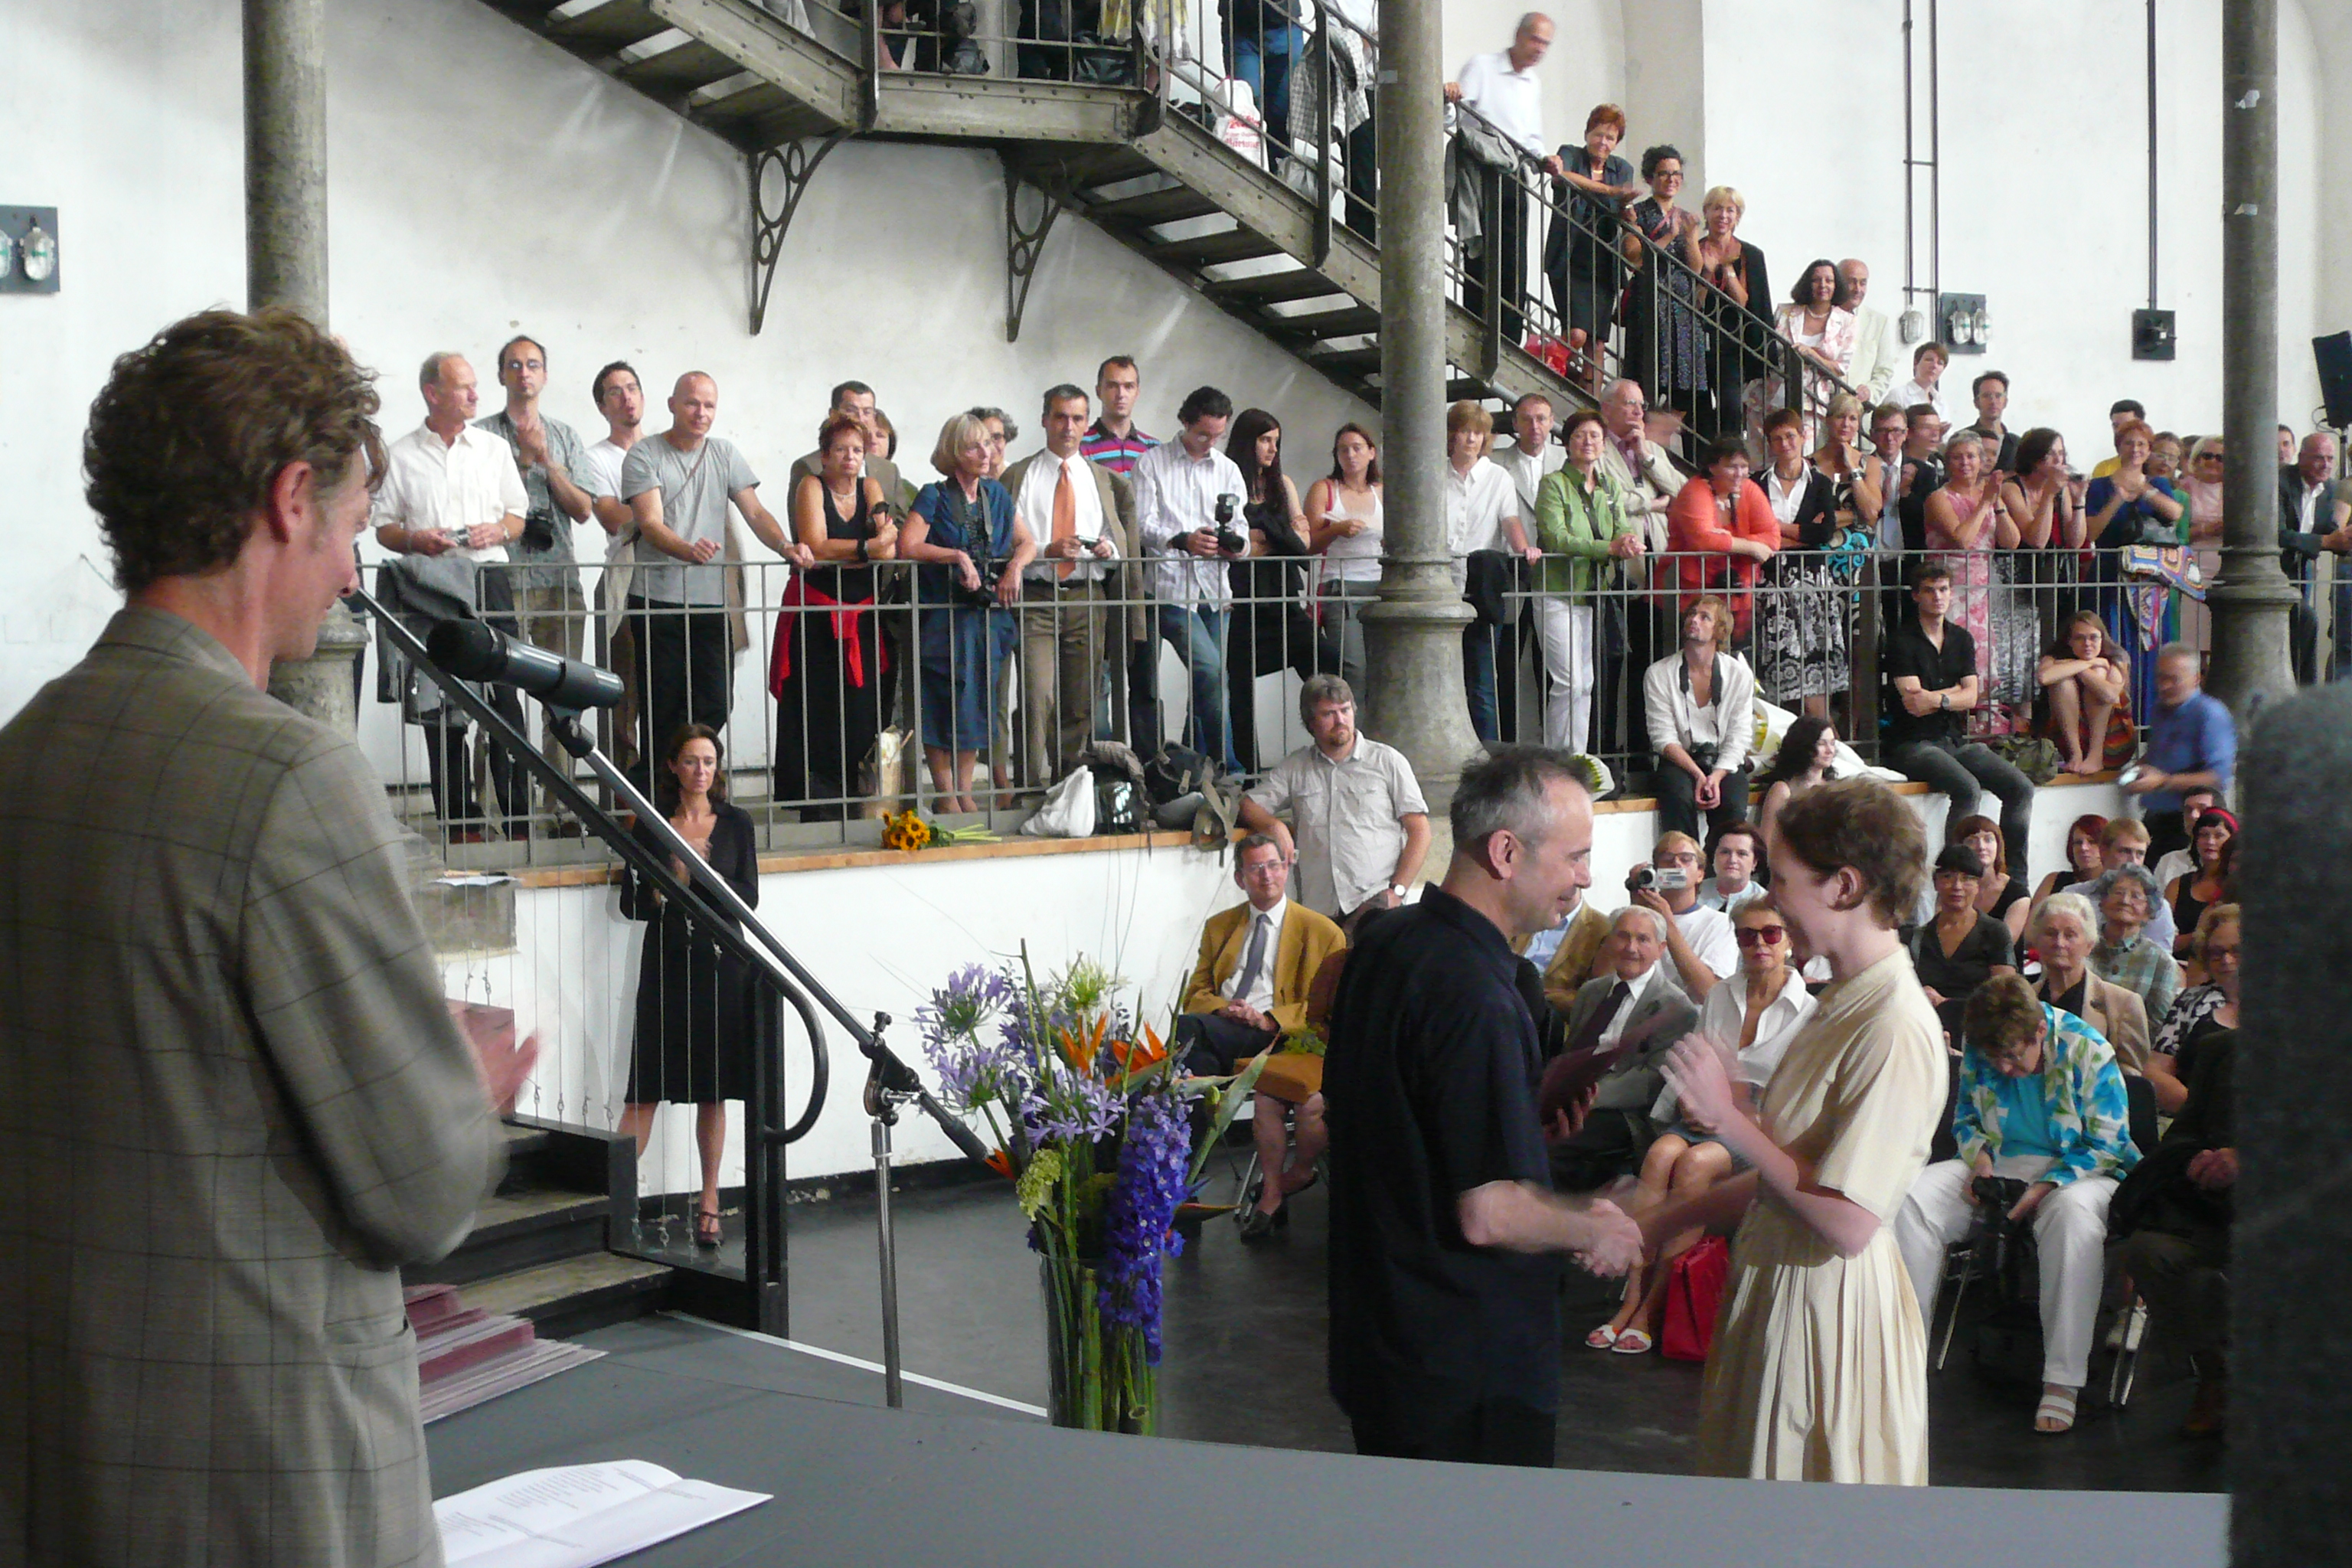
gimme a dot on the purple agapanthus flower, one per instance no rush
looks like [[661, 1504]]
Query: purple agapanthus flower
[[1154, 1158], [973, 1071]]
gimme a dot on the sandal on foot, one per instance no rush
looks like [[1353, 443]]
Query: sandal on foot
[[1634, 1341], [707, 1231], [2058, 1408], [1602, 1338]]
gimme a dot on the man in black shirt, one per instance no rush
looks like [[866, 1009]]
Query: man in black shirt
[[1444, 1231], [1931, 665]]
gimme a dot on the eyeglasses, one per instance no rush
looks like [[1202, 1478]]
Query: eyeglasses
[[1761, 936]]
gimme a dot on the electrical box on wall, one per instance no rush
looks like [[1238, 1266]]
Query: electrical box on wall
[[28, 250], [1962, 324], [2152, 334]]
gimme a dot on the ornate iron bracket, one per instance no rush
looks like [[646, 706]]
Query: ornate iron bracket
[[1023, 242], [790, 163]]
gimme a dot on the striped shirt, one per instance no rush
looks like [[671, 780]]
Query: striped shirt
[[1117, 453]]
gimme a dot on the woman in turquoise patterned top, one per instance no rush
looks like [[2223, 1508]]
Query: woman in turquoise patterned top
[[2040, 1101], [1581, 521]]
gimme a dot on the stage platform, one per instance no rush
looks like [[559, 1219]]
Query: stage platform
[[964, 1478]]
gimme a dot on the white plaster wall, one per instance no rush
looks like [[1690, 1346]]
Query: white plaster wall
[[2044, 138], [882, 938], [482, 182]]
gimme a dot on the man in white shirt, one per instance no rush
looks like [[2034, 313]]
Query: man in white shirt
[[452, 493], [1070, 622], [2309, 500], [1734, 883], [1928, 362], [678, 484], [1363, 826], [1482, 514], [1701, 945], [1178, 487], [621, 399], [1533, 453], [1876, 349], [1502, 90]]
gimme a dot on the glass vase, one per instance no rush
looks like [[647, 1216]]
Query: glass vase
[[1097, 1379]]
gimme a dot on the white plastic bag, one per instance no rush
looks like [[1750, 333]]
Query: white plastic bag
[[1068, 811]]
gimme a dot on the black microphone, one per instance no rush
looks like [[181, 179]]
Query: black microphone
[[472, 650]]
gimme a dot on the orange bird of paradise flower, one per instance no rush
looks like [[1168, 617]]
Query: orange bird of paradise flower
[[1002, 1163], [1134, 1056], [1080, 1050]]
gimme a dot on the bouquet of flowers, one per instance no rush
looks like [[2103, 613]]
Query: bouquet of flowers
[[911, 830], [1092, 1123]]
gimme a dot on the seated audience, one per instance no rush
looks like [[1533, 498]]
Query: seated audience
[[2082, 856], [827, 670], [1361, 826], [1955, 953], [1571, 952], [1739, 855], [1701, 707], [1722, 529], [2123, 842], [1258, 961], [2124, 953], [2063, 931], [2087, 679], [1999, 894], [1931, 667], [1755, 1017], [1805, 759], [1700, 942], [1634, 994], [2199, 1010], [2195, 801], [2189, 895], [2173, 1215], [967, 628], [2041, 1102]]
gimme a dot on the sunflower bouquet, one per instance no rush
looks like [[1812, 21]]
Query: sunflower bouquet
[[908, 830], [1092, 1120]]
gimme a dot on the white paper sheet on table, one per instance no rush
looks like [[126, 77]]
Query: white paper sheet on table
[[576, 1516]]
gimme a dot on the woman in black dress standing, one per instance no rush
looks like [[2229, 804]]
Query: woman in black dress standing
[[1271, 627], [697, 1008], [827, 672]]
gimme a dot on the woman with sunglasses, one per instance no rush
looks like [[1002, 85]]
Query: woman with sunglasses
[[1762, 1015]]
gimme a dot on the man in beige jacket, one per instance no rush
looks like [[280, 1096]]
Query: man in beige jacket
[[236, 1102]]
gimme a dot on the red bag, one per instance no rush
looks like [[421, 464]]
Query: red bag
[[1551, 350], [1694, 1284]]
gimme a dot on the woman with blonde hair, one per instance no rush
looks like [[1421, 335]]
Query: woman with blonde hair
[[1819, 1370], [1745, 336]]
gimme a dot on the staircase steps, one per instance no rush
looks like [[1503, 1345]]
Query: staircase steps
[[1212, 249], [1173, 204]]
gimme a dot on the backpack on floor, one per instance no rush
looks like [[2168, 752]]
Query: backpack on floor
[[1695, 1283]]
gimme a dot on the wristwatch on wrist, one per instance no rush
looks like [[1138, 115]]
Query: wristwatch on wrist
[[1943, 701], [1397, 889]]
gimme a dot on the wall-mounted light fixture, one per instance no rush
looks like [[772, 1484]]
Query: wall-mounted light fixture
[[1962, 323], [28, 250]]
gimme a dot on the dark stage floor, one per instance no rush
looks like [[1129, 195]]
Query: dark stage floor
[[1245, 1348]]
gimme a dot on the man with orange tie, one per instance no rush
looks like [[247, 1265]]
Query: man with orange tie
[[1071, 615]]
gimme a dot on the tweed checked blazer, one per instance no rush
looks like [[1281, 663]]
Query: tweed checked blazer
[[236, 1103]]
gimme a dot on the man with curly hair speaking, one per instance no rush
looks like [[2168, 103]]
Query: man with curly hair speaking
[[237, 1102]]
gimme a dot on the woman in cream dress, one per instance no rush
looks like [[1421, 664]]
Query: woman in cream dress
[[1819, 1366]]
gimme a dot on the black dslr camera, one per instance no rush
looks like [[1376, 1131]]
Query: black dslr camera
[[1231, 539], [992, 572]]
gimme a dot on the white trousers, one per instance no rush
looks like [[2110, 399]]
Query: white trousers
[[1565, 632], [2070, 1236]]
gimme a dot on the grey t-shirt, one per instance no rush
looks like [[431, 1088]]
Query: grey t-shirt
[[694, 489]]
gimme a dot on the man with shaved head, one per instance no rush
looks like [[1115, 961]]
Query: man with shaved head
[[1502, 90], [678, 486]]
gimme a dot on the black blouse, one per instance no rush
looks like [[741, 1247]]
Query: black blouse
[[1969, 965]]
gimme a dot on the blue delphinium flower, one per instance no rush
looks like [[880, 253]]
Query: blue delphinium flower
[[1154, 1157]]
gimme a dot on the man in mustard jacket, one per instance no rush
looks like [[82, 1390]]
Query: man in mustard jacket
[[1248, 990]]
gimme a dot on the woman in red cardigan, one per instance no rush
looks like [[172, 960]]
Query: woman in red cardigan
[[1724, 513]]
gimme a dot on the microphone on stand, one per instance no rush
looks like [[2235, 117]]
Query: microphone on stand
[[473, 650]]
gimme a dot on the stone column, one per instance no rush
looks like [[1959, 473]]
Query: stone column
[[2254, 599], [285, 264], [1413, 636]]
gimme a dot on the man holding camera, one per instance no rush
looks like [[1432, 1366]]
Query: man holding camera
[[1699, 939], [1188, 498], [1085, 516], [549, 607]]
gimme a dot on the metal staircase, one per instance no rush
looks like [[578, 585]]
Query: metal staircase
[[1151, 175]]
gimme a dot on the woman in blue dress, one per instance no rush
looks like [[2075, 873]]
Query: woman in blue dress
[[2128, 507], [971, 546]]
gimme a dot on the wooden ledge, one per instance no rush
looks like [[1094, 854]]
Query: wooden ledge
[[779, 861]]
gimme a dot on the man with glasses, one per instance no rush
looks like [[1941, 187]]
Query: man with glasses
[[1257, 959], [1363, 825], [1698, 938]]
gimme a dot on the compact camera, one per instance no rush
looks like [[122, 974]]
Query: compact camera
[[1231, 539], [1658, 879]]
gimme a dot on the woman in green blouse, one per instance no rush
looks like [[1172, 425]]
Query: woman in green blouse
[[1582, 523]]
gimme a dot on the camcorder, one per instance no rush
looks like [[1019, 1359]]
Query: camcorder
[[1658, 879], [1231, 539]]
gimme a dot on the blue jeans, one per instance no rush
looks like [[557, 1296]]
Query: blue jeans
[[1198, 634], [1267, 70], [1479, 642]]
